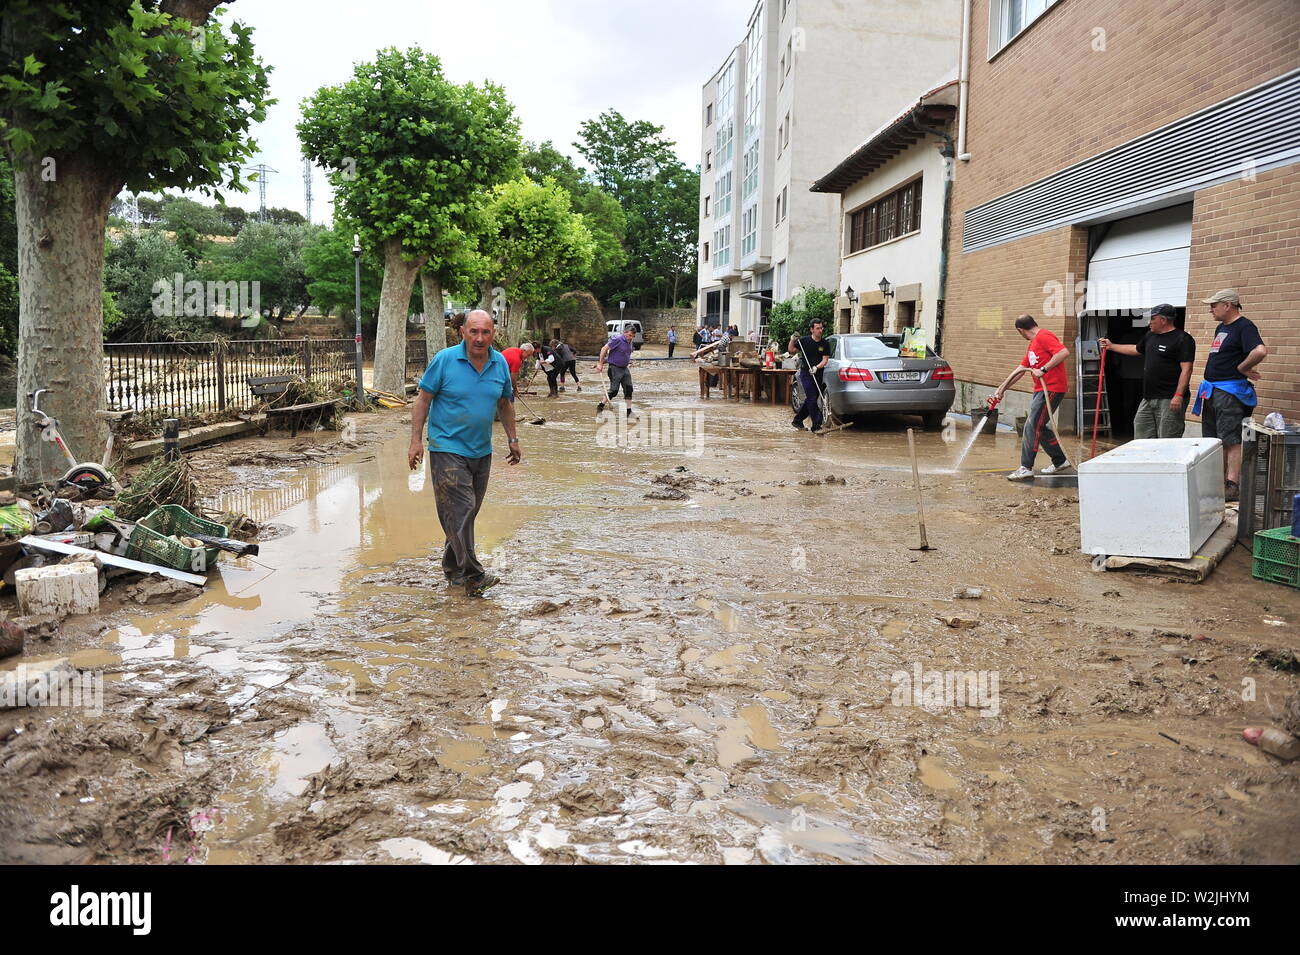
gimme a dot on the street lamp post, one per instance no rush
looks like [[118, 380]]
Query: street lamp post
[[356, 257]]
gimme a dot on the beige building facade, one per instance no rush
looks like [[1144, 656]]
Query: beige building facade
[[806, 81]]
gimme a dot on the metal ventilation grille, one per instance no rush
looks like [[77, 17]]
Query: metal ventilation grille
[[1251, 132]]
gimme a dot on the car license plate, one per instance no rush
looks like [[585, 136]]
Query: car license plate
[[901, 375]]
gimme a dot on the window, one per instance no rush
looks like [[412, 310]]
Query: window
[[722, 195], [708, 159], [778, 209], [750, 183], [788, 60], [780, 132], [749, 232], [785, 201], [782, 73], [894, 215], [784, 4], [708, 115], [721, 247], [706, 205], [1009, 18], [754, 75], [787, 129], [706, 251]]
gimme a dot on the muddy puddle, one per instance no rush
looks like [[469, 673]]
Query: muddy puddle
[[702, 651]]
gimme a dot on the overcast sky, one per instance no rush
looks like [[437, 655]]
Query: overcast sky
[[560, 61]]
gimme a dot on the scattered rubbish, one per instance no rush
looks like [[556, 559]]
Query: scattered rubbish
[[158, 483], [1282, 658], [1275, 742], [17, 518], [114, 560], [969, 593], [164, 537], [667, 494], [1171, 739], [59, 589], [960, 623]]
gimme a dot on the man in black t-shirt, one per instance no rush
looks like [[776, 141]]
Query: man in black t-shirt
[[813, 351], [1227, 394], [1168, 354]]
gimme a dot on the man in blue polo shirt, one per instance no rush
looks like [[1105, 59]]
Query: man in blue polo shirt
[[462, 390]]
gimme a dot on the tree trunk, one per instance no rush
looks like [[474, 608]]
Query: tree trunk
[[62, 211], [394, 301], [435, 324]]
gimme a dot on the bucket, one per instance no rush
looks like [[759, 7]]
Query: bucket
[[991, 420]]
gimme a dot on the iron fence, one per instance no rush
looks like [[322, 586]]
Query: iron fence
[[417, 357], [188, 379]]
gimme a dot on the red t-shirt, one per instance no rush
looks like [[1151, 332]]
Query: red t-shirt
[[1041, 349], [515, 359]]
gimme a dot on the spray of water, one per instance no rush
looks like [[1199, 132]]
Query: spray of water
[[974, 433]]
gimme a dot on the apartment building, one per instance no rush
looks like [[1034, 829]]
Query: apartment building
[[893, 192], [807, 81], [1114, 156]]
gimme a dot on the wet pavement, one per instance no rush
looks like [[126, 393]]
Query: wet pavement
[[712, 644]]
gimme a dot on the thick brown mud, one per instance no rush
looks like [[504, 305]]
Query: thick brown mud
[[712, 643]]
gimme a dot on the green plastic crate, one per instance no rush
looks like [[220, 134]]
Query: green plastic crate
[[1277, 557], [151, 540]]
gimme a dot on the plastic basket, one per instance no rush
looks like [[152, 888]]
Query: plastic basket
[[151, 540], [1277, 557]]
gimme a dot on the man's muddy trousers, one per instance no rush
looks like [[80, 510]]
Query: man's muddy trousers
[[459, 485]]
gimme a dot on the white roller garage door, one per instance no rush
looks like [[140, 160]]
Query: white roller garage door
[[1142, 261]]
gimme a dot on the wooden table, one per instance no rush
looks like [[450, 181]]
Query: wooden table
[[732, 379]]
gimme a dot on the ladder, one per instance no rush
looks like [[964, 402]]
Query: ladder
[[1087, 372]]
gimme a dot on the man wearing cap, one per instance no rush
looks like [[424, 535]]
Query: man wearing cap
[[1227, 394], [1168, 354]]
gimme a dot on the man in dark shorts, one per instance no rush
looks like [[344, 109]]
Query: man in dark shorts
[[813, 351], [1227, 396], [1168, 353], [617, 352]]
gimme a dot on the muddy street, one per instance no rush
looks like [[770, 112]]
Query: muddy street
[[711, 644]]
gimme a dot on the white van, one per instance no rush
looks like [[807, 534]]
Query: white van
[[617, 326]]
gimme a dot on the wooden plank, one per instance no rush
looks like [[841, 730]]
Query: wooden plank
[[1195, 569], [107, 558]]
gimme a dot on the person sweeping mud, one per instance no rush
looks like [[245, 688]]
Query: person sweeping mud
[[813, 351], [463, 388], [617, 353]]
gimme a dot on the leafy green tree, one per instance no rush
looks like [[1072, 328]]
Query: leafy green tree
[[192, 224], [601, 213], [533, 238], [285, 216], [270, 254], [328, 263], [795, 314], [97, 95], [235, 218], [134, 262], [635, 163], [408, 152]]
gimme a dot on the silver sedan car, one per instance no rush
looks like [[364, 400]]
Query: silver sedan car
[[865, 375]]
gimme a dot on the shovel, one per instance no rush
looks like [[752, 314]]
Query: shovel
[[920, 506]]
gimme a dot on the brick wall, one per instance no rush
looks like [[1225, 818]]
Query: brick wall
[[1246, 235], [1050, 99]]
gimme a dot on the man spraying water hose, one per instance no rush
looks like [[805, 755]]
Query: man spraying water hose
[[1044, 360]]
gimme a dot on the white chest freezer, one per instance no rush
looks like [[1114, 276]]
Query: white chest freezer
[[1157, 497]]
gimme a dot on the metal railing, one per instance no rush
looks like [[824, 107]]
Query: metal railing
[[189, 379]]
